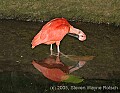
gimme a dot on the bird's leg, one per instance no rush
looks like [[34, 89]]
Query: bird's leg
[[58, 48], [51, 49]]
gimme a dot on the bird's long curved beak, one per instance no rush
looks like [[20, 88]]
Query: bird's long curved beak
[[74, 35]]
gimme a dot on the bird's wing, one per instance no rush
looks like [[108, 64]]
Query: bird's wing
[[54, 30], [40, 38], [58, 32]]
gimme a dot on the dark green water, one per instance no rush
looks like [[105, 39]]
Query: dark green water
[[17, 74]]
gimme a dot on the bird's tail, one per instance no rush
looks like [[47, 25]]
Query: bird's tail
[[36, 40], [38, 67]]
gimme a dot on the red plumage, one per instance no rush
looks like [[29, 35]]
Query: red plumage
[[52, 32]]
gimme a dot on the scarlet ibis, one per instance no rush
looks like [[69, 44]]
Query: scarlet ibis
[[54, 31]]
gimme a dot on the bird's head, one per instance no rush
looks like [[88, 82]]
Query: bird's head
[[82, 36], [77, 33]]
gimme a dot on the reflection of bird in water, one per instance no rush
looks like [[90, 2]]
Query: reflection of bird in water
[[54, 69], [54, 31], [77, 66]]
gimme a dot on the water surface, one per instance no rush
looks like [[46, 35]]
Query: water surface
[[16, 55]]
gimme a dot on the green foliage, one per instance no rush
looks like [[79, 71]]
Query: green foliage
[[99, 11], [73, 79]]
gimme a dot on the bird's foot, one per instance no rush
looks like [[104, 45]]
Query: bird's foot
[[62, 54], [53, 54], [58, 54]]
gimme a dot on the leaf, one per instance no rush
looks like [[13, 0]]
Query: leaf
[[73, 79]]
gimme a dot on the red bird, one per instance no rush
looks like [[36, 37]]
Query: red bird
[[54, 31]]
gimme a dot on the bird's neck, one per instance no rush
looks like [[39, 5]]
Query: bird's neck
[[74, 30]]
